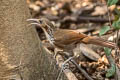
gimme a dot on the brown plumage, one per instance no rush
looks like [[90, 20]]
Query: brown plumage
[[63, 37]]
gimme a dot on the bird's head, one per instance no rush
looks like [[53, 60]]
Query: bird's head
[[47, 27], [42, 22]]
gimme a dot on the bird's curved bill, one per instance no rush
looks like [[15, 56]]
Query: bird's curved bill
[[34, 21]]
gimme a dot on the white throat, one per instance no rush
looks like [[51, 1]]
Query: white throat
[[49, 35]]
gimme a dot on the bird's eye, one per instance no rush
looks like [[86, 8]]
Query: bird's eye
[[40, 21]]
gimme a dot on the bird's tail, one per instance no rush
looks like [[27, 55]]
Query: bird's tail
[[99, 41]]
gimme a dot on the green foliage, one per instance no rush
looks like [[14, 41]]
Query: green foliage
[[111, 71], [107, 51], [117, 11], [116, 24], [111, 2], [116, 17], [104, 30]]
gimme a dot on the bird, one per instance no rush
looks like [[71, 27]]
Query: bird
[[61, 38]]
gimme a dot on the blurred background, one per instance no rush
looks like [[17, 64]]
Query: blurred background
[[87, 15]]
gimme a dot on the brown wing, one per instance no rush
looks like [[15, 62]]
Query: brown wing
[[66, 37]]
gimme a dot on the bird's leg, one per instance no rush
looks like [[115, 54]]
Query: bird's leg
[[57, 51]]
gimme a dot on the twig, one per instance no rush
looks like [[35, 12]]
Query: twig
[[84, 19], [117, 76], [58, 78], [67, 71], [79, 19], [82, 70], [109, 17], [117, 39], [79, 67]]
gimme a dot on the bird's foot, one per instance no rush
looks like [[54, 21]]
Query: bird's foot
[[57, 51]]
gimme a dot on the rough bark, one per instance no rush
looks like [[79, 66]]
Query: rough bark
[[22, 56]]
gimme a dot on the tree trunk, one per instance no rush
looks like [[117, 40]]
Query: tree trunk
[[22, 56]]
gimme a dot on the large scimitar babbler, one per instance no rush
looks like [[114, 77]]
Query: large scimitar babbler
[[60, 38]]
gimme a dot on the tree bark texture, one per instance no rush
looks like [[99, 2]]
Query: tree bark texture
[[22, 56]]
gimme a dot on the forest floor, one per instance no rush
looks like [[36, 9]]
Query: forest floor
[[87, 16]]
